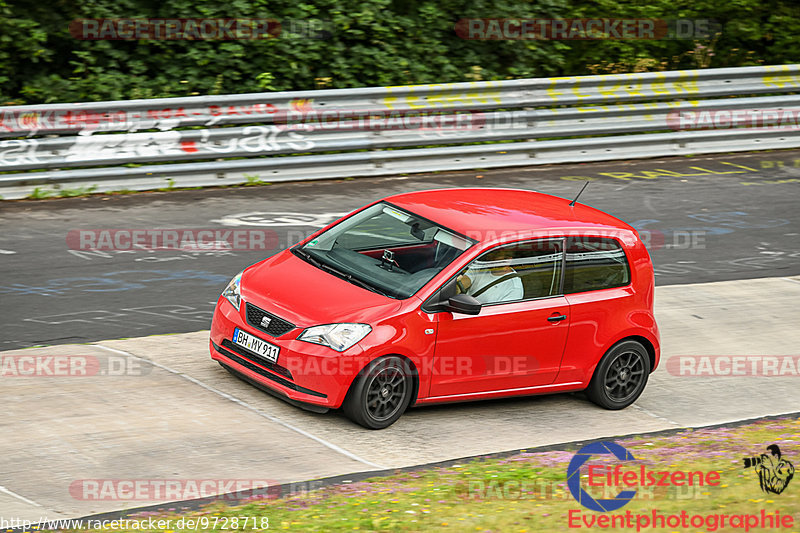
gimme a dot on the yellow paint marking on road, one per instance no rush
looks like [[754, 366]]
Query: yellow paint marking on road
[[655, 173], [718, 172], [738, 165]]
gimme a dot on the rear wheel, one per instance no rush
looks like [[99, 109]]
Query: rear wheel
[[380, 394], [621, 376]]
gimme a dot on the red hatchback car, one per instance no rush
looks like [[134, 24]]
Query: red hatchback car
[[446, 295]]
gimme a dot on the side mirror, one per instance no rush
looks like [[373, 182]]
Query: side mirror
[[465, 304]]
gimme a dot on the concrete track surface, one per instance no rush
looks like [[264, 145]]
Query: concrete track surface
[[176, 414]]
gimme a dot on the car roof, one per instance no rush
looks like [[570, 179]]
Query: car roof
[[485, 214]]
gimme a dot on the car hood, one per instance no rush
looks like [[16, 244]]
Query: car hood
[[306, 295]]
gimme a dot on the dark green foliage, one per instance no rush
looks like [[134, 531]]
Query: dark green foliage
[[372, 43]]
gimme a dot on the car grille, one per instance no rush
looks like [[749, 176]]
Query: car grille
[[278, 369], [276, 327], [261, 371]]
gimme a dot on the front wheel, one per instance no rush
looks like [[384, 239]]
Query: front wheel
[[380, 394], [621, 376]]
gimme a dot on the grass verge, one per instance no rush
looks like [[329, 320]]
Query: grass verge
[[527, 491]]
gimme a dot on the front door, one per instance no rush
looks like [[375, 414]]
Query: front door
[[507, 346], [517, 341]]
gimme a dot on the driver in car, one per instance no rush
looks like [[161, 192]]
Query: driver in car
[[493, 283]]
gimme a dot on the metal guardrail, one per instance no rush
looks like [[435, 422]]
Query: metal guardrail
[[383, 130]]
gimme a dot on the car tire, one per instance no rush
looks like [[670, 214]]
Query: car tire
[[621, 376], [380, 394]]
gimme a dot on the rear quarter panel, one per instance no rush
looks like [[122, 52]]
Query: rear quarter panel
[[601, 318]]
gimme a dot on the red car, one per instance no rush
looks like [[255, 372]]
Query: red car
[[446, 295]]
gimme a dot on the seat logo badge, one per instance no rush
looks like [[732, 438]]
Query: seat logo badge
[[265, 321]]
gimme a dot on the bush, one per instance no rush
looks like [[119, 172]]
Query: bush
[[372, 43]]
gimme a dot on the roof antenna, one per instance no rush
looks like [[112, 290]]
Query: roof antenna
[[572, 203]]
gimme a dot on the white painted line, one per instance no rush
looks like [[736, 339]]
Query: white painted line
[[15, 495], [659, 417], [246, 405], [6, 252]]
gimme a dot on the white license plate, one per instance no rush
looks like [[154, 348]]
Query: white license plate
[[254, 344]]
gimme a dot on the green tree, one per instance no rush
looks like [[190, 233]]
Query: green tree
[[370, 43]]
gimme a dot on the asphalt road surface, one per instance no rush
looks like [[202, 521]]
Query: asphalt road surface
[[707, 219]]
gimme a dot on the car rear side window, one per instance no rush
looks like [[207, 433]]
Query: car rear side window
[[594, 263]]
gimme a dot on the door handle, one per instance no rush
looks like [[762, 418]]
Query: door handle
[[556, 318]]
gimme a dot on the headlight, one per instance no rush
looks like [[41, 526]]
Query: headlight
[[231, 292], [340, 337]]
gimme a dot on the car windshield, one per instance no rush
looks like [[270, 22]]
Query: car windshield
[[385, 249]]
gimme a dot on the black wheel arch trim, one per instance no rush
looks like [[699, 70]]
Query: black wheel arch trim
[[414, 375]]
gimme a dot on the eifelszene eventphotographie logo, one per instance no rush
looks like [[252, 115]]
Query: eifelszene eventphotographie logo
[[574, 476], [605, 468], [623, 475]]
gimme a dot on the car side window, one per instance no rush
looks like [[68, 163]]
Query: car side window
[[594, 263], [521, 271]]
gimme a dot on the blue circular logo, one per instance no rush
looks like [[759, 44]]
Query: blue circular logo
[[574, 476]]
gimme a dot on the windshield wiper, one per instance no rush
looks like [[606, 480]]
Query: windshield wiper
[[348, 277], [366, 285], [307, 256]]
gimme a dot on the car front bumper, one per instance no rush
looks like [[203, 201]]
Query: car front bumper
[[309, 374]]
